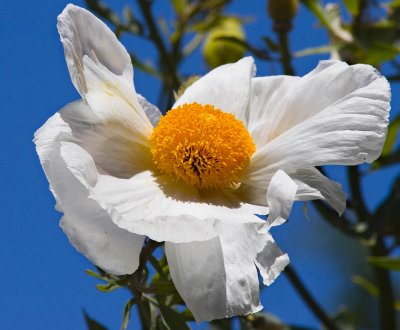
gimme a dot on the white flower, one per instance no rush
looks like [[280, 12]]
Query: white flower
[[116, 182]]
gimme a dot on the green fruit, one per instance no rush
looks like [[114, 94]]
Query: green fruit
[[282, 10], [216, 51]]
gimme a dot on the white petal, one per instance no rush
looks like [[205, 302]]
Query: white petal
[[153, 113], [226, 87], [101, 70], [270, 260], [166, 210], [337, 114], [216, 278], [83, 35], [265, 93], [111, 144], [88, 227], [313, 185], [280, 196]]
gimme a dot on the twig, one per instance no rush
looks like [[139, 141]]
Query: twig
[[309, 299]]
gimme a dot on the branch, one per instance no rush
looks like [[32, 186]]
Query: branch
[[309, 299]]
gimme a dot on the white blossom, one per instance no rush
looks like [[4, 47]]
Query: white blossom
[[98, 155]]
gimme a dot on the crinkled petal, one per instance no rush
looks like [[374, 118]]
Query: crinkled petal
[[337, 114], [226, 87], [270, 260], [280, 196], [217, 278], [88, 226], [265, 93], [166, 210], [111, 144], [101, 70], [153, 113], [313, 185]]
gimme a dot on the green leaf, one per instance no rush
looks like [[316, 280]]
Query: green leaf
[[111, 286], [352, 6], [316, 8], [317, 50], [179, 6], [127, 312], [95, 275], [172, 319], [379, 52], [272, 46], [145, 314], [391, 136], [156, 265], [91, 323], [163, 287], [368, 286], [385, 262]]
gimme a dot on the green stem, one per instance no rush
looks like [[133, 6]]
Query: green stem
[[171, 80], [286, 57], [387, 313]]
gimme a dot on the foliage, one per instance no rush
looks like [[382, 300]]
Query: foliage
[[359, 31]]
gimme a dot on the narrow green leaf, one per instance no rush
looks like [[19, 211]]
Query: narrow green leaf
[[179, 6], [368, 286], [317, 50], [163, 287], [316, 8], [352, 6], [385, 262], [172, 319], [391, 136], [95, 275], [156, 265], [111, 286], [127, 312], [91, 323], [145, 314]]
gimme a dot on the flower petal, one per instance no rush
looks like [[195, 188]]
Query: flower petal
[[216, 278], [226, 87], [110, 143], [313, 185], [166, 210], [280, 196], [270, 260], [83, 35], [101, 70], [153, 113], [265, 93], [88, 227], [345, 125]]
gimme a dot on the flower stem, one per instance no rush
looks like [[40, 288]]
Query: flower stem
[[387, 312], [309, 299]]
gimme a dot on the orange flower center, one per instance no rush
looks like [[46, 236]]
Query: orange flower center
[[202, 145]]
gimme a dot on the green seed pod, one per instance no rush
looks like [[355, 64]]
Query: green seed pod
[[216, 51], [282, 10]]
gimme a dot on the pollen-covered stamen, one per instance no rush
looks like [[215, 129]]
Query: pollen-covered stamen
[[202, 145]]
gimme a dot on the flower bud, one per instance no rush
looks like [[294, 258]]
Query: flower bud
[[282, 11], [217, 51]]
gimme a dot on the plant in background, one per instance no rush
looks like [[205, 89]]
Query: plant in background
[[232, 147]]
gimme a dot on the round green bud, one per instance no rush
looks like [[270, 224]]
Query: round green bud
[[282, 10], [217, 51]]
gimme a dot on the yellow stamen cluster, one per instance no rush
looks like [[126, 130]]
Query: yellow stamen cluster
[[202, 145]]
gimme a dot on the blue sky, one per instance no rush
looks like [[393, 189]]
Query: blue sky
[[42, 276]]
